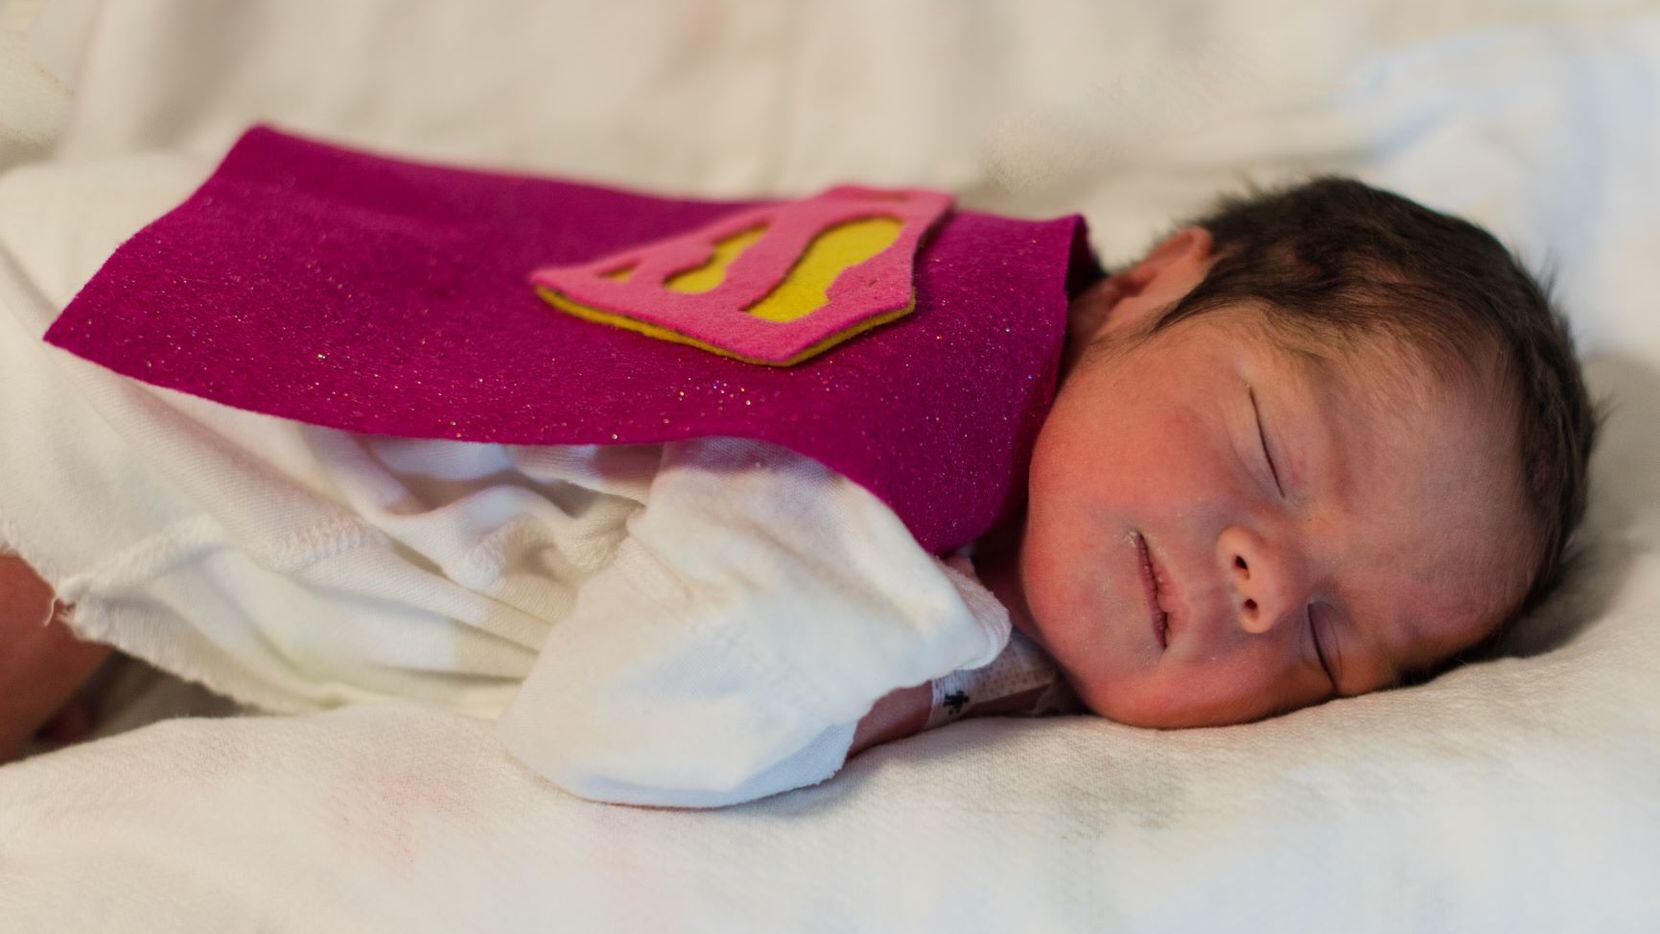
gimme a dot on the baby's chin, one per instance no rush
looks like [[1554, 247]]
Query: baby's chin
[[1138, 711], [1152, 698], [1104, 684], [1158, 710]]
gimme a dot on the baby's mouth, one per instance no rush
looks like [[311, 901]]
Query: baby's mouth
[[1149, 583]]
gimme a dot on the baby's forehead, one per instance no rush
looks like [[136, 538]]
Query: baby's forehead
[[1391, 374], [1433, 496], [1404, 426], [1402, 420]]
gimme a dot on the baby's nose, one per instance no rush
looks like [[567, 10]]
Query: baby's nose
[[1264, 584]]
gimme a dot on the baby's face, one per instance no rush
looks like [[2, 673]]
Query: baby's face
[[1220, 528]]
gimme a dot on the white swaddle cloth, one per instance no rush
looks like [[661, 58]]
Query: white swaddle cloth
[[711, 607]]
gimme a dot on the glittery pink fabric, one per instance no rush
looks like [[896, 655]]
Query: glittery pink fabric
[[378, 295]]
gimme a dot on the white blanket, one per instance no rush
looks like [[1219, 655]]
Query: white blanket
[[1516, 794]]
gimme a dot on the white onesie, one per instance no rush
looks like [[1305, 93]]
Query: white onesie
[[691, 624]]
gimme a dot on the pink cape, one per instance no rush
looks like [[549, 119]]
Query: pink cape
[[378, 295]]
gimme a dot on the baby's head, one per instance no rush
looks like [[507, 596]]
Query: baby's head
[[1343, 436]]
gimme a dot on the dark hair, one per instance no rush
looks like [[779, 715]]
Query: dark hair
[[1336, 258]]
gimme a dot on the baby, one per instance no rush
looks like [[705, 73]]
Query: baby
[[1319, 442]]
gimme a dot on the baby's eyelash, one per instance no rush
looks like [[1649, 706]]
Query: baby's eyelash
[[1262, 438]]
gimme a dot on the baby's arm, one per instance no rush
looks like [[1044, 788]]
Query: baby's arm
[[897, 715], [42, 663], [1023, 681]]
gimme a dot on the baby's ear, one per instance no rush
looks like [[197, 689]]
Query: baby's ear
[[1168, 272], [1127, 298]]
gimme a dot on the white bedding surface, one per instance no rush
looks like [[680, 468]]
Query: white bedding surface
[[1518, 794]]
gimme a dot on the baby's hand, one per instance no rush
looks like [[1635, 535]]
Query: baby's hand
[[41, 666]]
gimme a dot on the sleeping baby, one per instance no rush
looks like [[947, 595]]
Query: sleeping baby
[[1319, 442]]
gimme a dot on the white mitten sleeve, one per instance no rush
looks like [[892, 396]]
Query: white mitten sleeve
[[758, 608]]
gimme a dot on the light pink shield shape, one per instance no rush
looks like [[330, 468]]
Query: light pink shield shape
[[735, 309]]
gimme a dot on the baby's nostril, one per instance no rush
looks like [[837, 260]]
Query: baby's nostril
[[1250, 606], [1239, 562]]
